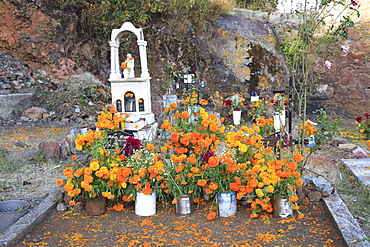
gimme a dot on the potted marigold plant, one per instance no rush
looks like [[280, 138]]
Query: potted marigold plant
[[145, 170], [189, 140], [95, 179]]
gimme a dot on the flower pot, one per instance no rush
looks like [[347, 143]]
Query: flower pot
[[184, 205], [11, 211], [226, 203], [145, 205], [96, 206], [279, 121], [236, 117], [281, 208]]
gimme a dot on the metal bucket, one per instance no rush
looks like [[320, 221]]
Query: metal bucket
[[226, 204], [11, 211], [184, 205], [281, 208]]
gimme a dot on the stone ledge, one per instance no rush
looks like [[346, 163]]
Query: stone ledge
[[347, 225], [25, 224]]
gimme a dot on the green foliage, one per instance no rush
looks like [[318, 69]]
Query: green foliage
[[318, 30], [99, 17], [264, 5], [6, 165]]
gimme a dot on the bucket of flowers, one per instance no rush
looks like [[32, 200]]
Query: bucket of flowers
[[236, 102], [363, 125], [145, 169], [189, 140], [94, 179]]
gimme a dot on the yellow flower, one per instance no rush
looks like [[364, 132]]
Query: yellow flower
[[94, 165], [259, 193]]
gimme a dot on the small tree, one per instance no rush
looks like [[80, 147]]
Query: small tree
[[319, 27]]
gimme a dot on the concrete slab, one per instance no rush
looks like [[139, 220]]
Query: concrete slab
[[360, 168]]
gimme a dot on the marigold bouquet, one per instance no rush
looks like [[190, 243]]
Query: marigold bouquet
[[143, 171], [97, 175], [192, 134], [363, 125], [280, 102]]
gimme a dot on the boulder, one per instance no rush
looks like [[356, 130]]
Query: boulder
[[51, 148], [34, 113]]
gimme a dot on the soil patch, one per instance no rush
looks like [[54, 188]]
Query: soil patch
[[168, 229]]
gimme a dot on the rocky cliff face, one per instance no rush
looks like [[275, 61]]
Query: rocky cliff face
[[232, 54]]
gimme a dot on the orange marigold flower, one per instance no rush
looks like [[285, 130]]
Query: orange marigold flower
[[211, 215], [194, 169], [59, 182], [184, 183], [72, 202], [174, 201], [253, 215], [74, 157], [293, 198], [185, 115], [202, 182], [166, 124], [213, 186], [68, 187], [297, 157], [300, 216], [213, 161], [150, 147]]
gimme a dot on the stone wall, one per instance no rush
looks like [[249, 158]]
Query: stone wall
[[345, 88]]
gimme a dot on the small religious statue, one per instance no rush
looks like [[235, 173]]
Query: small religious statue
[[128, 67]]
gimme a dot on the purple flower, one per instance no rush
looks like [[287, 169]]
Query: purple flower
[[359, 119], [228, 102], [367, 115], [208, 155], [355, 2], [131, 145]]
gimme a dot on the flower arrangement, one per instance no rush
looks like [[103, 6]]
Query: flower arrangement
[[143, 171], [280, 102], [97, 176], [235, 102], [363, 125], [257, 109], [192, 136]]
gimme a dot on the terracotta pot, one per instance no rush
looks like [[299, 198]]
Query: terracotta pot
[[96, 206]]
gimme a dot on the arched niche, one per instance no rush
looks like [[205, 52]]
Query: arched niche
[[114, 44], [129, 102]]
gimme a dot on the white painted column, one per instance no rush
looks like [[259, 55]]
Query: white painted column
[[114, 60], [143, 59]]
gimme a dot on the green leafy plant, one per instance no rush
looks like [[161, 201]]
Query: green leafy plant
[[318, 29]]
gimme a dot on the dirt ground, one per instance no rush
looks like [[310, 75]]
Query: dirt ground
[[165, 228]]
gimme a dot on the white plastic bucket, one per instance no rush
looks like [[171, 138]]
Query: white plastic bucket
[[145, 205], [226, 204], [236, 117]]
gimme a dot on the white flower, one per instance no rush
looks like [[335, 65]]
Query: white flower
[[328, 64]]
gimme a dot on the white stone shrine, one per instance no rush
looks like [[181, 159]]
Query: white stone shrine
[[131, 95]]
